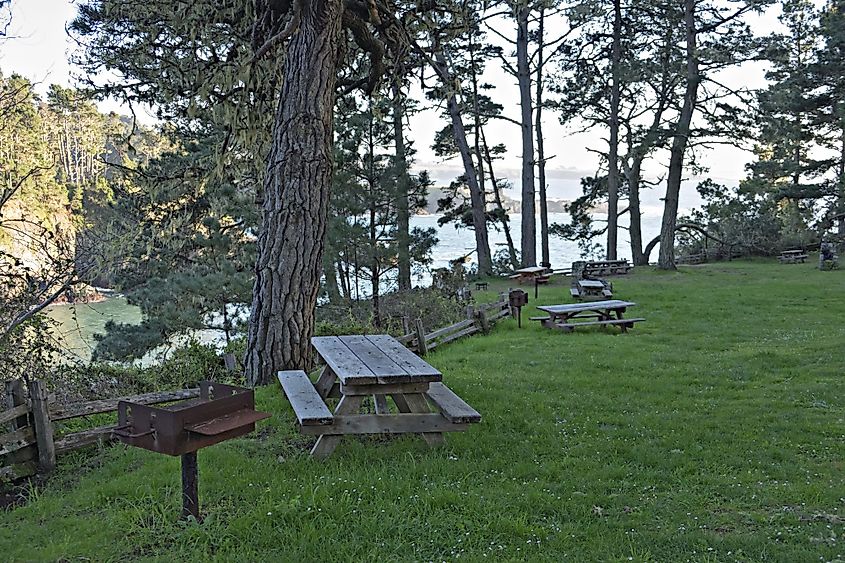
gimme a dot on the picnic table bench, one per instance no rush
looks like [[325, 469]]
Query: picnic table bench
[[590, 289], [378, 366], [570, 316], [792, 257]]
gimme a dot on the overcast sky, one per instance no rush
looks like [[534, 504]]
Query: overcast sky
[[40, 47]]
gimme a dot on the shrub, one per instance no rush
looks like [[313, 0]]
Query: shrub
[[184, 368]]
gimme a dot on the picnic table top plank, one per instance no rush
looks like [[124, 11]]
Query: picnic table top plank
[[531, 270], [409, 361], [589, 306], [360, 360], [342, 361], [377, 361], [596, 284]]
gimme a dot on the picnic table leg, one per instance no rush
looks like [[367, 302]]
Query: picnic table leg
[[380, 402], [325, 382], [416, 403], [623, 327], [326, 443]]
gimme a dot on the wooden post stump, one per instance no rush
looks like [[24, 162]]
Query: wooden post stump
[[16, 396], [422, 350], [43, 427]]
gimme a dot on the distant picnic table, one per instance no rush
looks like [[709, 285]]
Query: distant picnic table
[[531, 274], [379, 366], [570, 316], [792, 257], [590, 289], [600, 268]]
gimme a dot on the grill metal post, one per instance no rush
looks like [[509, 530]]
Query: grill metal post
[[190, 494]]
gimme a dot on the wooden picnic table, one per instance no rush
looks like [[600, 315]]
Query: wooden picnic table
[[606, 313], [377, 366], [792, 256], [590, 289], [602, 268], [529, 273]]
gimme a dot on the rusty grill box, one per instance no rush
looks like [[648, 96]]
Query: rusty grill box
[[517, 298], [220, 413]]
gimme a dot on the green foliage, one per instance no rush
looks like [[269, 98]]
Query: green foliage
[[582, 227], [707, 433], [436, 308], [801, 143], [209, 88], [363, 232], [788, 137], [753, 223], [188, 251], [29, 351], [502, 264], [183, 368]]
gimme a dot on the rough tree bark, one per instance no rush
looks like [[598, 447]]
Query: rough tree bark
[[403, 236], [479, 218], [613, 149], [497, 198], [541, 156], [296, 199], [634, 176], [637, 152], [666, 260], [840, 223], [529, 224]]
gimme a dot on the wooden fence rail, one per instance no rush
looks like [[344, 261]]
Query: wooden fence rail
[[479, 319], [28, 423]]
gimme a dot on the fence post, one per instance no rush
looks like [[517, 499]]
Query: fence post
[[43, 427], [422, 349], [16, 396], [230, 362], [481, 319]]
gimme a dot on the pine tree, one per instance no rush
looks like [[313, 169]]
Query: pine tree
[[829, 99], [787, 137]]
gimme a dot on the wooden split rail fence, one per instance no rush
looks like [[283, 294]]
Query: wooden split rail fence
[[29, 441], [480, 318]]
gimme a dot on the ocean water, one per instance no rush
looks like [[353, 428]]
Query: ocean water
[[455, 243]]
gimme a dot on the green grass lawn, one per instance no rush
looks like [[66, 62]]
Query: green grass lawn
[[714, 431]]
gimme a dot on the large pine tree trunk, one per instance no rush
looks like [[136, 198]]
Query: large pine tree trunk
[[666, 259], [403, 181], [296, 200], [840, 222], [529, 223], [636, 229], [497, 198], [613, 152], [541, 154], [477, 199]]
